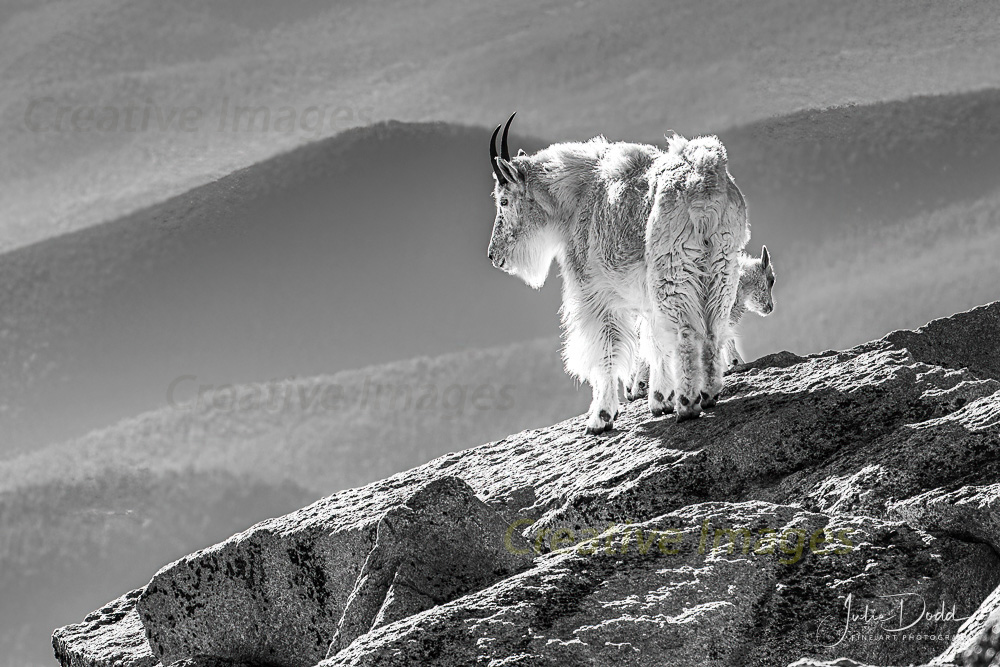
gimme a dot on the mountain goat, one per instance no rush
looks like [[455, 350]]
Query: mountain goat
[[753, 295], [636, 231]]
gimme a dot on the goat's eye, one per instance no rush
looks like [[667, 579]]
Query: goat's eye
[[503, 201]]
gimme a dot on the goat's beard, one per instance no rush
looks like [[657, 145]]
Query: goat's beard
[[531, 257]]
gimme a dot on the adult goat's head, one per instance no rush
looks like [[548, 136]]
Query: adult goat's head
[[520, 244]]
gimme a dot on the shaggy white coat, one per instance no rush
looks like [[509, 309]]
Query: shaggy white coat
[[636, 231]]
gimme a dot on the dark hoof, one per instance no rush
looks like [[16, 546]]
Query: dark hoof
[[591, 430], [606, 425], [667, 409], [687, 415], [641, 391]]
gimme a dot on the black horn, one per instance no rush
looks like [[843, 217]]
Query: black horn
[[493, 156], [504, 152]]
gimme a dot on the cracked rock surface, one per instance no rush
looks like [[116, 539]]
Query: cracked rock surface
[[863, 481]]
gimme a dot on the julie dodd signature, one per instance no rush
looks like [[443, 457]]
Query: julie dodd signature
[[899, 613]]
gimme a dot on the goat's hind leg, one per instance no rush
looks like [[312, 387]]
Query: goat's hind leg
[[688, 399], [676, 376], [675, 372], [661, 382], [722, 294], [714, 365], [676, 367]]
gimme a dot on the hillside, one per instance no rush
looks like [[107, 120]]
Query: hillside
[[877, 216], [630, 71], [842, 478], [123, 500]]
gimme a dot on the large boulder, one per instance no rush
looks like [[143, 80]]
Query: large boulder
[[282, 591], [111, 635], [964, 340], [706, 585], [482, 556]]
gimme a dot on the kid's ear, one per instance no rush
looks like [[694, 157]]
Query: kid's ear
[[520, 152], [765, 259]]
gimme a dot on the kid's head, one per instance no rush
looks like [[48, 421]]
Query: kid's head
[[756, 282]]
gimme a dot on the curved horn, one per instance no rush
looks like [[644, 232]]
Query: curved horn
[[504, 152], [493, 156]]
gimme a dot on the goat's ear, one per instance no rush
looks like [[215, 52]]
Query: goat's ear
[[765, 259], [520, 152], [512, 172]]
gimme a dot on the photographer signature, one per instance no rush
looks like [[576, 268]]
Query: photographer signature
[[894, 614]]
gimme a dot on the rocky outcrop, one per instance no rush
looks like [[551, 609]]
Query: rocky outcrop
[[826, 503], [282, 591], [965, 340], [708, 584], [112, 635]]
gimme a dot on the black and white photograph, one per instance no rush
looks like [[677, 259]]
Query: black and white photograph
[[453, 333]]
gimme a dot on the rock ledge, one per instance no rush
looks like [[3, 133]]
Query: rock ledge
[[842, 481]]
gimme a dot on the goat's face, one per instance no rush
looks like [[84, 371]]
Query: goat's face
[[520, 243], [758, 280]]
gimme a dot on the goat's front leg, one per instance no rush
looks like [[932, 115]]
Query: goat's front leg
[[604, 406], [599, 345]]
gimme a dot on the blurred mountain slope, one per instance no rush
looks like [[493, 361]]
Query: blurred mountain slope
[[579, 68], [371, 246]]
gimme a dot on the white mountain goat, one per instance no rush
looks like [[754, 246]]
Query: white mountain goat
[[753, 294], [636, 231]]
